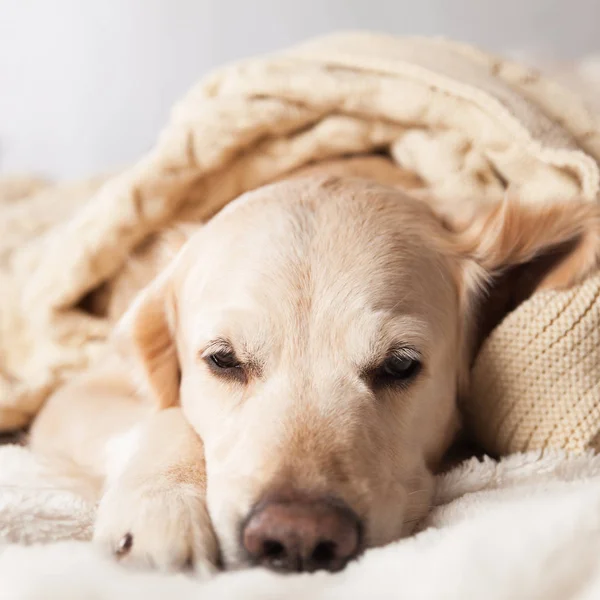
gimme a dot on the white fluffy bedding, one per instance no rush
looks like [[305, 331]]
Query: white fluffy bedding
[[526, 527]]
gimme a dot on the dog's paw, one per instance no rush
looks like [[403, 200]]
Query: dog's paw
[[161, 527]]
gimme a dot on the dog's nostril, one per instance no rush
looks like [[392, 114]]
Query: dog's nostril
[[273, 550], [324, 554], [302, 535]]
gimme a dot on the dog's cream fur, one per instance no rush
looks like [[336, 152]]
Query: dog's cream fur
[[311, 281]]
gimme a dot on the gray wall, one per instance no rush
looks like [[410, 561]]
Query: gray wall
[[86, 84]]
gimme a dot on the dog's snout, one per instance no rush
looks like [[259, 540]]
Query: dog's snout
[[302, 535]]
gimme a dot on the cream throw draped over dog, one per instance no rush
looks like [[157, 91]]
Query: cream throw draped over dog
[[469, 125]]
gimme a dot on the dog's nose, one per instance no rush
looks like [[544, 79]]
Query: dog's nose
[[302, 535]]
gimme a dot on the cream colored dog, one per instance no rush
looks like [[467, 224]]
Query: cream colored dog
[[283, 391]]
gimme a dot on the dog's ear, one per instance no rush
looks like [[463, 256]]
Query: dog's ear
[[145, 336], [512, 250]]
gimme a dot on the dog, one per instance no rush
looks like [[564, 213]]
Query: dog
[[284, 390]]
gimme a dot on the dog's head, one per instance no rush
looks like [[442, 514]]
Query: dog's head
[[317, 335]]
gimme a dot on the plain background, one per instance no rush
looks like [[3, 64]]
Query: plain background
[[85, 85]]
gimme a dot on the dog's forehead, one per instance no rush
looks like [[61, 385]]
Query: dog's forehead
[[315, 193], [314, 209], [326, 239]]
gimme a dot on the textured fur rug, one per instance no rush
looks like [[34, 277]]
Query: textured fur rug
[[527, 527]]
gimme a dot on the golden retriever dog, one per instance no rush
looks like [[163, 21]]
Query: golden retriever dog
[[284, 390]]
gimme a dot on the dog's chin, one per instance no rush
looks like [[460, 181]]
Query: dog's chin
[[232, 556], [237, 564]]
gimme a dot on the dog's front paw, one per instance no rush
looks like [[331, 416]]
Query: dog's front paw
[[163, 527]]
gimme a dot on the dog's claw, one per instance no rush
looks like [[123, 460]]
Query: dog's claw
[[124, 546]]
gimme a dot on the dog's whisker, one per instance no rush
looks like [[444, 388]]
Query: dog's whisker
[[414, 492], [407, 521]]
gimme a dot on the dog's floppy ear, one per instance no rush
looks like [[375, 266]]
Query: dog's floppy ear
[[514, 249], [145, 336]]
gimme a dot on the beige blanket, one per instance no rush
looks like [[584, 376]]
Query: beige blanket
[[468, 124]]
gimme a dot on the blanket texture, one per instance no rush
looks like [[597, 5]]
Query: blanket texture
[[525, 528], [468, 124]]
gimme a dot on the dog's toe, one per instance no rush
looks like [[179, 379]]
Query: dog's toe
[[164, 529]]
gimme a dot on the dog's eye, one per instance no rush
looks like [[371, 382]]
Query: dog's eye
[[224, 360], [399, 367]]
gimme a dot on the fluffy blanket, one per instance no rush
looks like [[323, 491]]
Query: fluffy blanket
[[525, 528]]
